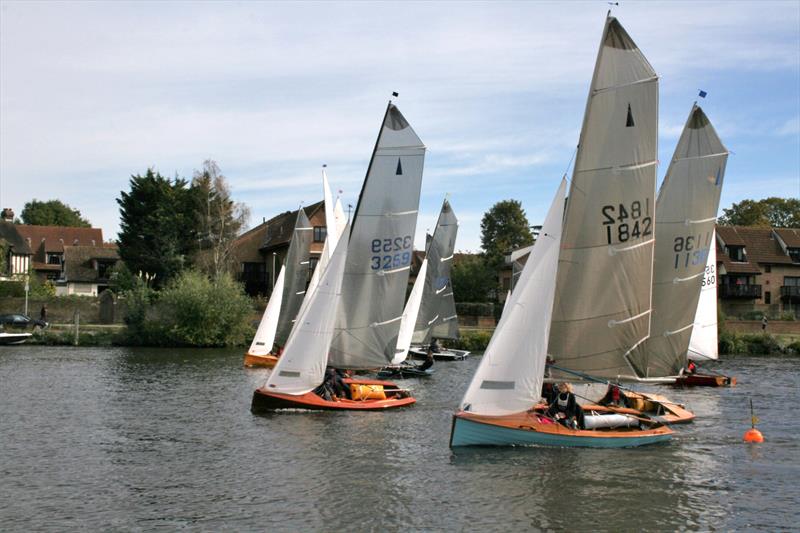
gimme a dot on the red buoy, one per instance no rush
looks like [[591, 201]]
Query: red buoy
[[753, 435]]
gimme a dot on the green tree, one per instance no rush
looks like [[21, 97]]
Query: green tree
[[52, 213], [770, 212], [504, 227], [219, 219], [472, 280], [158, 226]]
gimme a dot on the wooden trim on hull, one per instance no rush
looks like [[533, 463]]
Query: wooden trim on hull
[[264, 400], [265, 361], [528, 428], [655, 405], [704, 380]]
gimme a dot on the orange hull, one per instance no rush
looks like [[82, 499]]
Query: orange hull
[[264, 400], [266, 361]]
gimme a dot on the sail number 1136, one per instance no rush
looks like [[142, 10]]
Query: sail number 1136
[[625, 222]]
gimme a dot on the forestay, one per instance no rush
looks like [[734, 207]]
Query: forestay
[[437, 316], [380, 249], [685, 216], [602, 311], [297, 266], [703, 342], [301, 368], [265, 334], [509, 377], [410, 313]]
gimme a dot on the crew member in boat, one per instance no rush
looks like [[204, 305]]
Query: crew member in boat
[[565, 408], [691, 368], [613, 396], [435, 346], [333, 387], [428, 360]]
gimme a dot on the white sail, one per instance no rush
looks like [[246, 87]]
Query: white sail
[[686, 212], [380, 249], [265, 334], [509, 378], [301, 367], [331, 234], [410, 316], [296, 264], [340, 216], [437, 316], [602, 309], [703, 342]]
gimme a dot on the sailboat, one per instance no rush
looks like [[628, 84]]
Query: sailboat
[[499, 407], [703, 344], [437, 318], [287, 296], [353, 317]]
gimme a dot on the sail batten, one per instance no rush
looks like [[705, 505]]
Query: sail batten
[[380, 248]]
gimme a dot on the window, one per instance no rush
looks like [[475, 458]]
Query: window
[[320, 232], [53, 259], [767, 297], [794, 253], [791, 281], [736, 253], [767, 268]]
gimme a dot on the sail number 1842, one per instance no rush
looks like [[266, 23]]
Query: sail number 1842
[[626, 222]]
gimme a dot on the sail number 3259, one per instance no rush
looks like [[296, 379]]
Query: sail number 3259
[[391, 253], [624, 223]]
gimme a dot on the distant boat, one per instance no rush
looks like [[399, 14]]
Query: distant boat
[[437, 317], [14, 338], [353, 317], [500, 406]]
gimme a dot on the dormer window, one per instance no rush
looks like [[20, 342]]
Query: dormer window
[[53, 259], [794, 253], [736, 253]]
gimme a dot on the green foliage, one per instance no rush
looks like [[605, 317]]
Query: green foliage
[[191, 311], [726, 343], [475, 309], [788, 316], [474, 341], [41, 289], [52, 213], [12, 288], [793, 348], [770, 212], [504, 228], [752, 315], [121, 278], [158, 225], [3, 258], [748, 343], [473, 280]]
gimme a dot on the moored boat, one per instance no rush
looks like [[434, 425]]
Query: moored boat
[[447, 354], [14, 338]]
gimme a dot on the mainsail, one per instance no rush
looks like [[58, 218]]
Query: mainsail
[[686, 212], [265, 334], [380, 249], [602, 308], [509, 378], [437, 316], [296, 265], [703, 343], [301, 368]]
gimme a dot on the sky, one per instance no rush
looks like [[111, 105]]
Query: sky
[[93, 92]]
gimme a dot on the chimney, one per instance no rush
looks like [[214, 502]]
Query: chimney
[[7, 214]]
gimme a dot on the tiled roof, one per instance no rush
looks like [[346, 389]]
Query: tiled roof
[[10, 235], [43, 239], [790, 236], [760, 246], [78, 264], [280, 227]]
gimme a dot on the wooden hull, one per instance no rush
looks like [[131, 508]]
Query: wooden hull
[[704, 380], [421, 352], [656, 406], [530, 429], [264, 361], [265, 401]]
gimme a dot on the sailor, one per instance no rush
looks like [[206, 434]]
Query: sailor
[[436, 346], [613, 396], [428, 360], [565, 408], [691, 368]]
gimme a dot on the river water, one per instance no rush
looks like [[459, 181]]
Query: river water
[[146, 439]]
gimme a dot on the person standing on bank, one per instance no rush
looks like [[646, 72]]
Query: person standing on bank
[[764, 323]]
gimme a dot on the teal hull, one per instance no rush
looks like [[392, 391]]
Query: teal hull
[[470, 433]]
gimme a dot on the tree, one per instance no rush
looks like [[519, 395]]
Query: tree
[[504, 227], [158, 226], [219, 219], [472, 280], [770, 212], [52, 213]]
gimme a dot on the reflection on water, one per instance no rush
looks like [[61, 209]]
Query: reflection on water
[[163, 439]]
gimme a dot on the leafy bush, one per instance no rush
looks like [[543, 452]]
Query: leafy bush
[[726, 343], [191, 311], [12, 288], [475, 309], [472, 340], [793, 348], [752, 315], [787, 315]]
